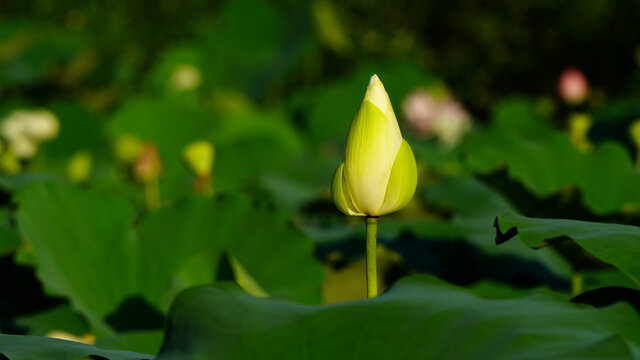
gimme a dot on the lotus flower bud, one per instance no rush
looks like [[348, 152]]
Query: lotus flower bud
[[148, 166], [634, 133], [199, 157], [127, 149], [579, 125], [573, 86], [9, 162], [379, 173], [185, 77], [79, 167]]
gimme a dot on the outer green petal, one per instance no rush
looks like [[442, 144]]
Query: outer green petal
[[340, 193], [402, 183], [372, 145]]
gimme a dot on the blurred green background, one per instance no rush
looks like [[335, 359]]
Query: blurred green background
[[526, 106]]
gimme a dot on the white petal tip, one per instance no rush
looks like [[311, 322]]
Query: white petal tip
[[377, 94], [374, 79]]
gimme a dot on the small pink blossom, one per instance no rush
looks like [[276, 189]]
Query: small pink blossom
[[430, 117], [420, 109], [573, 86]]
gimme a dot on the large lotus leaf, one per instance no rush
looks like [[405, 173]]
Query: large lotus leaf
[[545, 161], [618, 245], [419, 318], [543, 165], [16, 347], [275, 254], [86, 249], [83, 244], [549, 164], [609, 181]]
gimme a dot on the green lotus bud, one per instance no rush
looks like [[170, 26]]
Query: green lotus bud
[[379, 174], [9, 162], [579, 125], [185, 77], [199, 157], [634, 131], [79, 166], [127, 149]]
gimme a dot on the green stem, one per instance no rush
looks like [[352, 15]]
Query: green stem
[[372, 276], [152, 195], [203, 185], [576, 283]]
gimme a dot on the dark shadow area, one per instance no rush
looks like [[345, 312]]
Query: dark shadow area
[[454, 261], [609, 295], [22, 294], [135, 313]]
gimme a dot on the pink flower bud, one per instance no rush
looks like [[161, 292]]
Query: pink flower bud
[[421, 109], [148, 166], [573, 86], [443, 118]]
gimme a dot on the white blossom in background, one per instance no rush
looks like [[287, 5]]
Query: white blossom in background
[[25, 129], [23, 147], [185, 77], [429, 117], [452, 123], [573, 86], [41, 125]]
